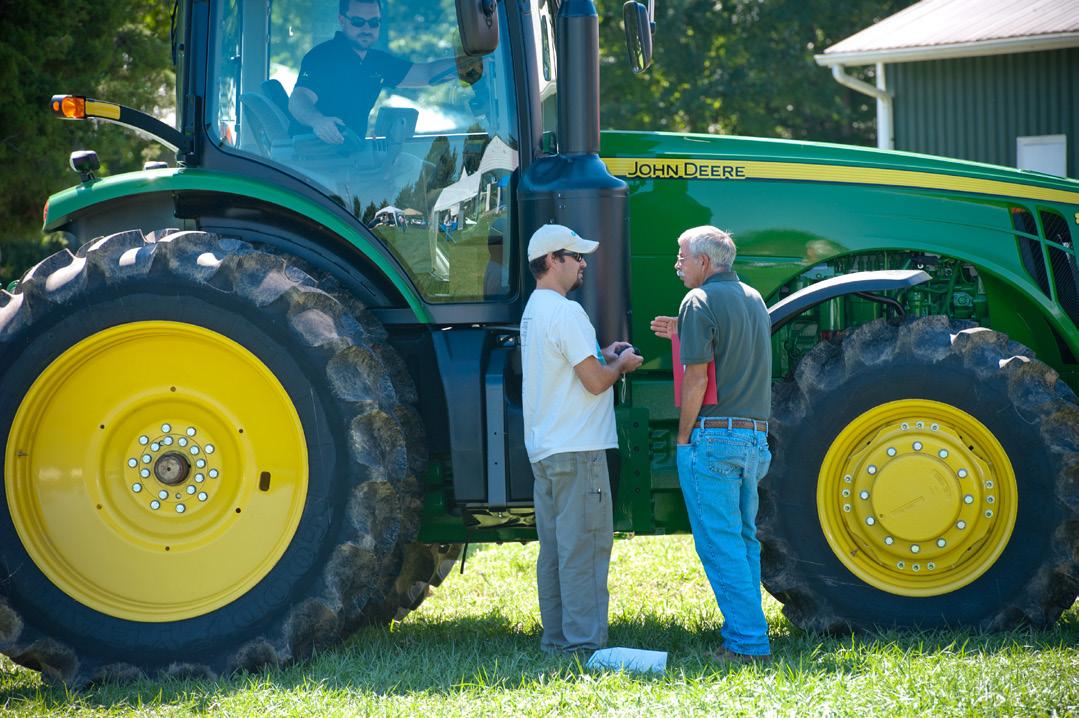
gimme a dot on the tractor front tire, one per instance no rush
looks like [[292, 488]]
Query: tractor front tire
[[210, 463], [925, 474]]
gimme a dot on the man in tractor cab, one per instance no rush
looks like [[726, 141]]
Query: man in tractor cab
[[569, 426], [721, 449], [340, 79]]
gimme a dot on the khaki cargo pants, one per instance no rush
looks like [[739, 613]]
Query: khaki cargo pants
[[576, 533]]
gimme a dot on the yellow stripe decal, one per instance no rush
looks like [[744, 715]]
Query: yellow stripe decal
[[103, 109], [651, 168]]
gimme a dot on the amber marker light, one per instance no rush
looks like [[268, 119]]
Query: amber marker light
[[69, 107]]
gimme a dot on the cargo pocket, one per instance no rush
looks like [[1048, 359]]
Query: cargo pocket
[[597, 484]]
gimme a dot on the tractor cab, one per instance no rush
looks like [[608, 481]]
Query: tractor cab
[[432, 135]]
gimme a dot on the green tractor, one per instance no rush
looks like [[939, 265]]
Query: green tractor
[[270, 392]]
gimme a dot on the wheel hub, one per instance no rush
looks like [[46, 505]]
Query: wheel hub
[[910, 497], [915, 496], [172, 468], [169, 455]]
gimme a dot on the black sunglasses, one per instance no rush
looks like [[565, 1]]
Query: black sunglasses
[[372, 22], [564, 253]]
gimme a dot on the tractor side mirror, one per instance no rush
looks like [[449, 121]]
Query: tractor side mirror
[[478, 22], [638, 23]]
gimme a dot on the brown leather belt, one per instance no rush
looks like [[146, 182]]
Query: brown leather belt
[[761, 426]]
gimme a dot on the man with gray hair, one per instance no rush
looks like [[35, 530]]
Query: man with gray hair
[[722, 447]]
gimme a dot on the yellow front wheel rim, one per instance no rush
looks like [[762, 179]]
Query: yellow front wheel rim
[[917, 498], [156, 471]]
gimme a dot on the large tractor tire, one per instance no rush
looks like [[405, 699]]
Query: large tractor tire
[[925, 474], [210, 463]]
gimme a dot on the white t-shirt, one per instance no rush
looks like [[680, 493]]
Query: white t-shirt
[[560, 414]]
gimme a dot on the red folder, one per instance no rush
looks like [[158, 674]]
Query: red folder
[[711, 394]]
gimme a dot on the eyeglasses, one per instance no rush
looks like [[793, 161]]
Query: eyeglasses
[[372, 22], [575, 255]]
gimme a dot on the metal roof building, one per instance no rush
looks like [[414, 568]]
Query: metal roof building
[[986, 80]]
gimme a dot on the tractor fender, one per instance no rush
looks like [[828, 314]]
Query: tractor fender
[[791, 306], [82, 209]]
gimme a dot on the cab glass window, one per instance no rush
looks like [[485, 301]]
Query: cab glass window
[[376, 105]]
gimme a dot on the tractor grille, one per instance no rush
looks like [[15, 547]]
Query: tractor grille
[[1062, 261], [1030, 250]]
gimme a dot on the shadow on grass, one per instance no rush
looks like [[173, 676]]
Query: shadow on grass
[[491, 652]]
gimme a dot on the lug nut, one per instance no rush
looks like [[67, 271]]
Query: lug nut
[[209, 448], [917, 446], [166, 428], [943, 453], [132, 463], [915, 548], [155, 504], [941, 542], [869, 520], [136, 487], [968, 499], [960, 525], [872, 469], [891, 451], [889, 540], [144, 440], [190, 431], [864, 495], [962, 473], [202, 496]]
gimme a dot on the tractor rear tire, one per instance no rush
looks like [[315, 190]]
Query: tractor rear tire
[[927, 475], [210, 463]]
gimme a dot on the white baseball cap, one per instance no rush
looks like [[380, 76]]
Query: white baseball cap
[[553, 237]]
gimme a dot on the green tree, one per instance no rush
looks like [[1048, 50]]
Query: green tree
[[117, 50], [741, 67]]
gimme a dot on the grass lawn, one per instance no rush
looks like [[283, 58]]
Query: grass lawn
[[472, 650]]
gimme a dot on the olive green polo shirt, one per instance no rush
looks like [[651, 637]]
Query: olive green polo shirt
[[727, 321]]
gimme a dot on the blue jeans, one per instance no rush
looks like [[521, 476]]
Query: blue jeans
[[719, 471]]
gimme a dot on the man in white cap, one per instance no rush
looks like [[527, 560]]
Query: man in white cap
[[569, 425]]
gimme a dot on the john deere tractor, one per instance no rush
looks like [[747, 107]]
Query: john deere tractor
[[270, 391]]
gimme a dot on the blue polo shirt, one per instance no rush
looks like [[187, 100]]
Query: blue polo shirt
[[347, 86]]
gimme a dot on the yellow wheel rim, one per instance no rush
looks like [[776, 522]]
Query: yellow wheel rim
[[917, 498], [156, 471]]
